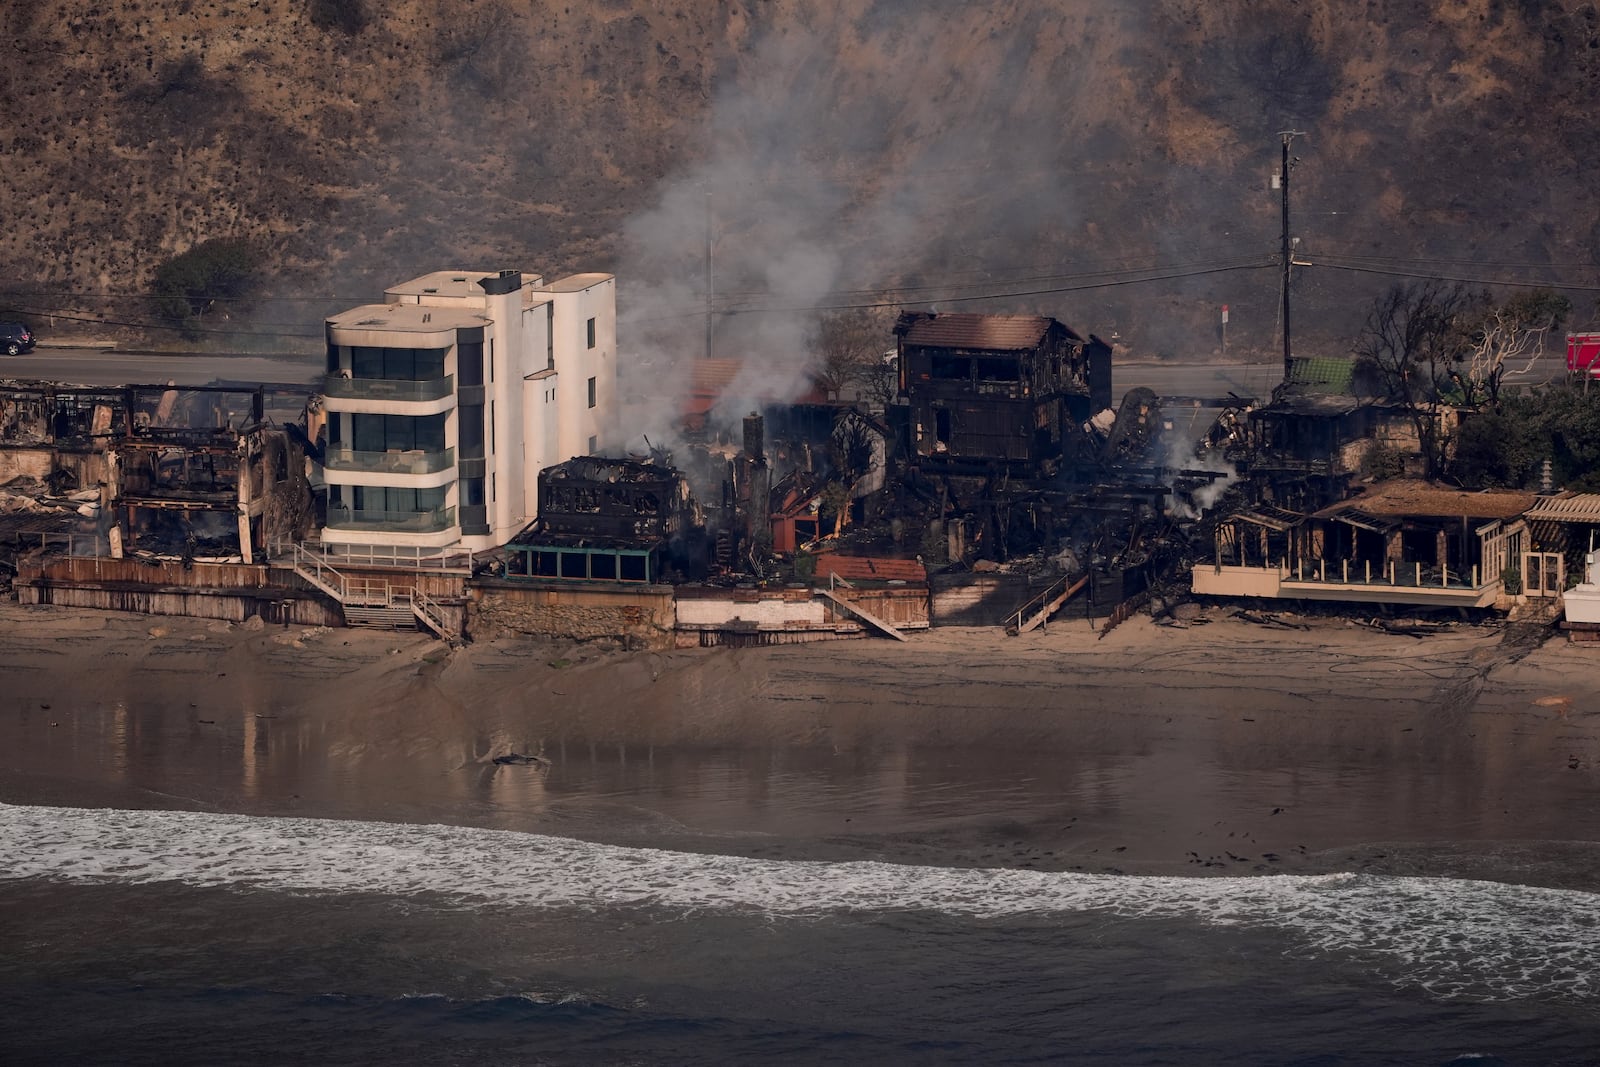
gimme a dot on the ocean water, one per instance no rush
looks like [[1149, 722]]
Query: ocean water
[[152, 936]]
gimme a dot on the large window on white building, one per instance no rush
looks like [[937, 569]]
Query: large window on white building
[[397, 364]]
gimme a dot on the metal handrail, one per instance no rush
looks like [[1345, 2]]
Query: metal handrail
[[1014, 620]]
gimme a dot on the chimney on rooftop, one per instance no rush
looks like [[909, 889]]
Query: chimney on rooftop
[[753, 434], [507, 281]]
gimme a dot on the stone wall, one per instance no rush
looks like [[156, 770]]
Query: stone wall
[[640, 616]]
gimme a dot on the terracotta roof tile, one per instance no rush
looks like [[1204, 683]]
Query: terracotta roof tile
[[1408, 496], [870, 568], [963, 330]]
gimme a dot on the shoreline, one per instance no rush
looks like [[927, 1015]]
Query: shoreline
[[1156, 750]]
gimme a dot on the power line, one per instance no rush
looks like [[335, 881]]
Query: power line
[[1252, 264], [1431, 276], [990, 282], [1544, 265]]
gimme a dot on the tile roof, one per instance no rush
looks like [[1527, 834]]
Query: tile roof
[[1412, 497], [870, 568], [964, 330], [1571, 507]]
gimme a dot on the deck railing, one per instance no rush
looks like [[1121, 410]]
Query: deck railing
[[387, 388], [432, 521], [411, 461], [1385, 572]]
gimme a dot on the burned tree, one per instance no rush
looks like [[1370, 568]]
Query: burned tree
[[1412, 335], [848, 350], [1504, 337]]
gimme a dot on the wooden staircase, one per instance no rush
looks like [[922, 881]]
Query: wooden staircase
[[373, 601], [1037, 610], [863, 614]]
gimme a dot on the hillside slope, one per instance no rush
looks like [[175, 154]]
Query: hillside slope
[[940, 149]]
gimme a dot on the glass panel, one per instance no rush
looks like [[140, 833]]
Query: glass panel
[[414, 461], [469, 363], [368, 388], [469, 433], [395, 364], [347, 518]]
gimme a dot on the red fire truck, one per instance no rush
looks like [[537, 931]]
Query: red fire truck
[[1583, 353]]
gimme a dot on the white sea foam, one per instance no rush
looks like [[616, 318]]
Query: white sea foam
[[1453, 936]]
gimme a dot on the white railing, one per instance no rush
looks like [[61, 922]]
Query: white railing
[[409, 556], [430, 611], [315, 568], [1385, 572]]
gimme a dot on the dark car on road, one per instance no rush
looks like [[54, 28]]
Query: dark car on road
[[16, 338]]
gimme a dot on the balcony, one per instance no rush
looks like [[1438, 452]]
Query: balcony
[[410, 461], [387, 389], [434, 521]]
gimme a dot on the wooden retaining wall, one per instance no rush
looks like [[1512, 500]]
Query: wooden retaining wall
[[640, 616], [230, 591], [903, 607], [980, 599]]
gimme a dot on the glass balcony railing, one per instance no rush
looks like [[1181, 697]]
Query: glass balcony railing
[[386, 388], [394, 461], [343, 518]]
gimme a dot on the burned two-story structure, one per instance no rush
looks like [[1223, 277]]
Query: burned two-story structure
[[615, 520], [996, 389], [199, 471], [1301, 450]]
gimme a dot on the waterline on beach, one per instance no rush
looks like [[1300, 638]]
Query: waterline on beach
[[1456, 938]]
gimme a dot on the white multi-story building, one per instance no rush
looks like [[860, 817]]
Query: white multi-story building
[[446, 401]]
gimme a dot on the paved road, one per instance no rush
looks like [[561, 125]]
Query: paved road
[[95, 366], [91, 366]]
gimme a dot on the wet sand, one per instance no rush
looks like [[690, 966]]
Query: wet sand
[[1225, 748]]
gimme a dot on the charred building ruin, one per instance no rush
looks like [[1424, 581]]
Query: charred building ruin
[[984, 389], [199, 470], [619, 520]]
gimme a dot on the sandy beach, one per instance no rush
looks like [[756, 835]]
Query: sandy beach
[[1222, 748]]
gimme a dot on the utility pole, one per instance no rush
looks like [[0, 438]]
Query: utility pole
[[1288, 248], [708, 286]]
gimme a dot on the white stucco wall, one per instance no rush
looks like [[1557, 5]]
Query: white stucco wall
[[768, 614]]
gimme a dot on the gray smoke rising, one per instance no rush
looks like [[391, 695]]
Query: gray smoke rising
[[1179, 453], [866, 168]]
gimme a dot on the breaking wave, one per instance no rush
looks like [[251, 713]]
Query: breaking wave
[[1453, 937]]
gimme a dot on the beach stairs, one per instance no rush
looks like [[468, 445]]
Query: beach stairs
[[1038, 609], [1539, 610], [431, 614], [863, 614], [373, 601]]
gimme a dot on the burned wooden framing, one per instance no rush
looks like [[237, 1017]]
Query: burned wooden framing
[[197, 472], [985, 389]]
